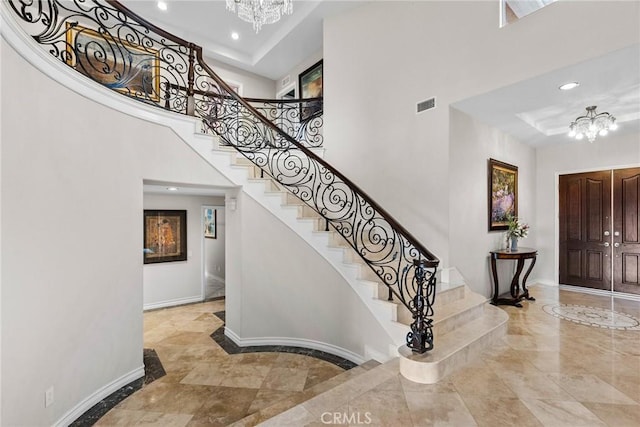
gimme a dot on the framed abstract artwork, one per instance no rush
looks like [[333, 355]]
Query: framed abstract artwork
[[210, 223], [119, 65], [310, 86], [165, 236], [503, 194]]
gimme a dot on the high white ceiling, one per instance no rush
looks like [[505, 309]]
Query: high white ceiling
[[271, 53], [533, 111], [536, 112]]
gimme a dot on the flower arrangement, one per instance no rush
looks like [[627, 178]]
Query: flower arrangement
[[516, 228]]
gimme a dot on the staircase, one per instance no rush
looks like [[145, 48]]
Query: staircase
[[464, 322]]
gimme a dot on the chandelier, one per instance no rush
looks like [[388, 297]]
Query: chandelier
[[592, 124], [260, 12]]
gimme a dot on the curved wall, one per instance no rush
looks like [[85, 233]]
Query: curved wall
[[72, 202]]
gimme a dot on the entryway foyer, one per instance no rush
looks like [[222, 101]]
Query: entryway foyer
[[535, 375]]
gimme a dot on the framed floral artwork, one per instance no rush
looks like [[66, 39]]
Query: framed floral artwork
[[165, 236], [503, 194]]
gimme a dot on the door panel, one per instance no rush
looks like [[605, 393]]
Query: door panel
[[626, 226], [585, 217]]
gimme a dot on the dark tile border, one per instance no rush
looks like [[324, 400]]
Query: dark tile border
[[153, 370], [232, 348]]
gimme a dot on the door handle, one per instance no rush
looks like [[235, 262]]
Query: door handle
[[606, 244]]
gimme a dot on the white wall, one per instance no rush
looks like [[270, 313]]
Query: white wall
[[179, 282], [295, 72], [253, 85], [214, 249], [472, 144], [72, 174], [277, 286], [382, 58], [610, 152]]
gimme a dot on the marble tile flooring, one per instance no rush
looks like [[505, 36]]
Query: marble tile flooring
[[206, 386], [546, 371]]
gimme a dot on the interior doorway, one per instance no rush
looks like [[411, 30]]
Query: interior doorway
[[599, 233], [213, 259]]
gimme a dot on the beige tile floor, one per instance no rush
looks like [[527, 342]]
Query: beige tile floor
[[205, 386], [545, 372]]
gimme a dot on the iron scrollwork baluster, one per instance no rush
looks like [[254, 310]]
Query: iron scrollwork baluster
[[420, 339]]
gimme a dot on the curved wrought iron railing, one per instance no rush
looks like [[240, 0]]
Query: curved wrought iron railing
[[299, 118], [110, 44]]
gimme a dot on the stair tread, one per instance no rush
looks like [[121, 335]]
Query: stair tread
[[469, 301], [462, 336]]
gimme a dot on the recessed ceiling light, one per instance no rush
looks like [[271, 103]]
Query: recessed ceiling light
[[235, 35], [172, 188], [162, 5], [569, 86]]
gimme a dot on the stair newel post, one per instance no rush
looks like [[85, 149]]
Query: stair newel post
[[191, 104], [420, 339]]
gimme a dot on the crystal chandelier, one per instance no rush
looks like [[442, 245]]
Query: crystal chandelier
[[260, 12], [592, 124]]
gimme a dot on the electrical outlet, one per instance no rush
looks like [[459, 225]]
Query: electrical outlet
[[48, 397]]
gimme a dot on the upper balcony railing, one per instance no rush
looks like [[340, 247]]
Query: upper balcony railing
[[111, 45], [299, 118]]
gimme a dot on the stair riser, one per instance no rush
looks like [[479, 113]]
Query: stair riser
[[431, 373], [444, 326]]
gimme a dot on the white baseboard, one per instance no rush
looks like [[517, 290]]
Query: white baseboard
[[171, 303], [543, 282], [295, 342], [98, 395]]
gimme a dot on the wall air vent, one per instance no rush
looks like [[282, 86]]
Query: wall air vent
[[285, 81], [426, 105]]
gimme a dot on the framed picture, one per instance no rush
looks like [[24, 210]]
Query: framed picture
[[503, 194], [130, 69], [165, 236], [310, 86], [210, 223]]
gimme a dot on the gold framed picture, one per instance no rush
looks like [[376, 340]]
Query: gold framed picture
[[165, 236], [503, 194], [130, 69]]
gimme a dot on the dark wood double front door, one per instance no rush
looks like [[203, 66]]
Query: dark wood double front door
[[600, 230]]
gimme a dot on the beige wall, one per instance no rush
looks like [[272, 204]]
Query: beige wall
[[472, 144]]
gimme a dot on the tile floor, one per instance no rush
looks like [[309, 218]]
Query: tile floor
[[206, 386], [545, 372]]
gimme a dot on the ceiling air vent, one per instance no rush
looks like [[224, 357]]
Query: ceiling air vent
[[426, 105]]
